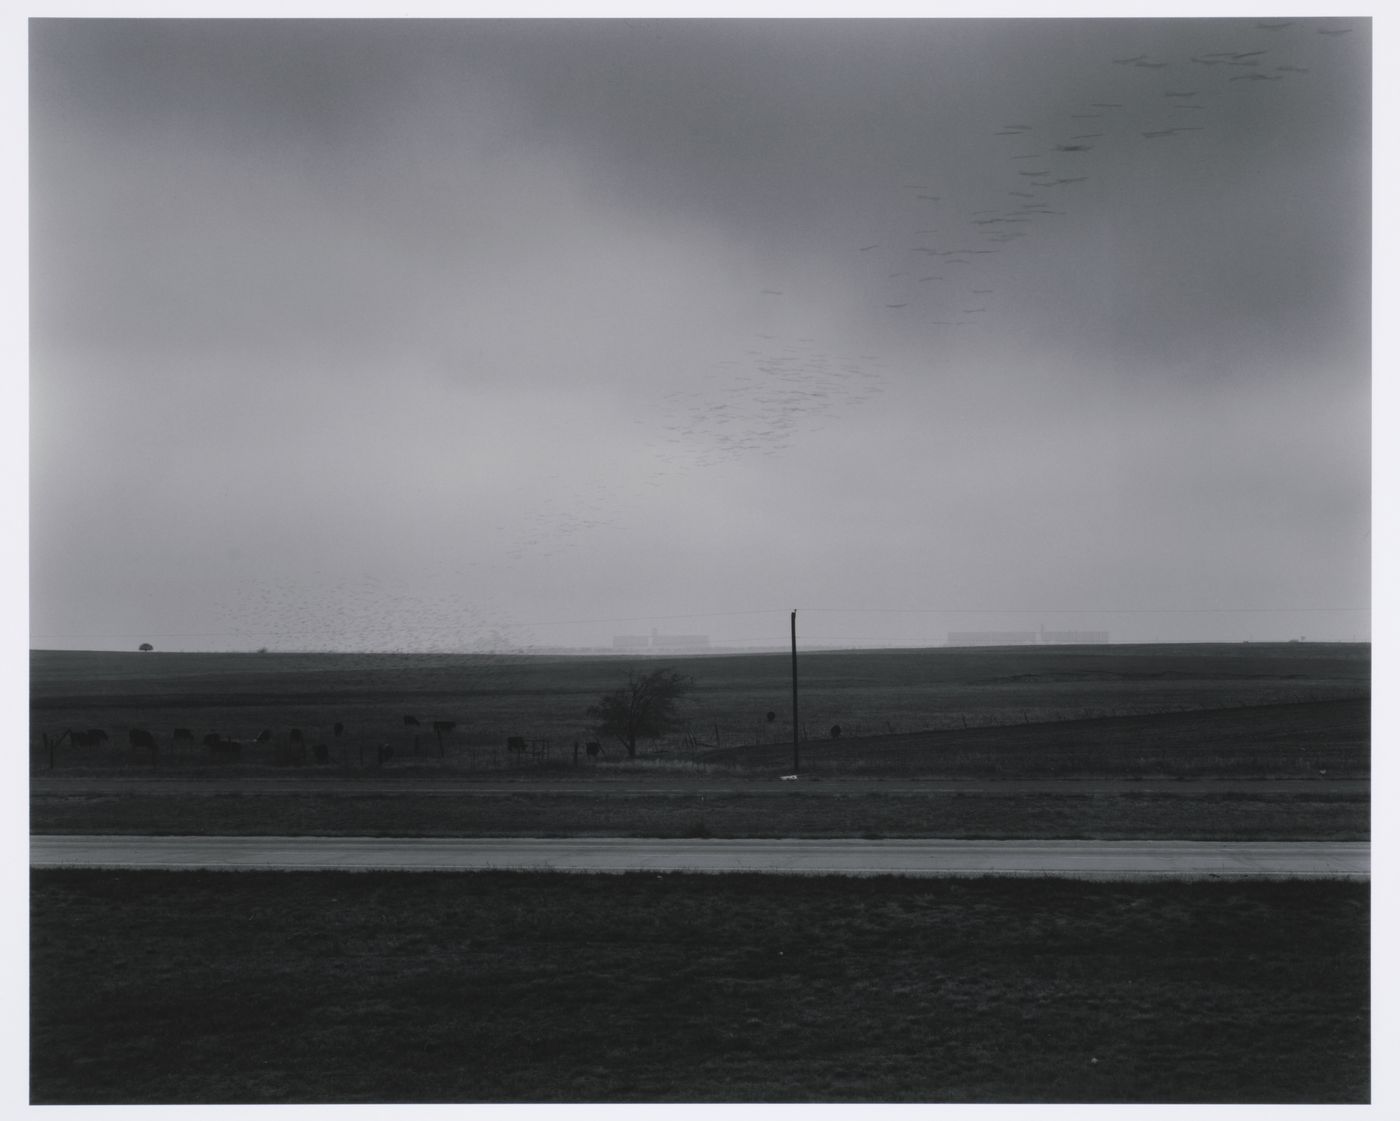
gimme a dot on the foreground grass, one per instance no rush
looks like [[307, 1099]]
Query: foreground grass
[[287, 987], [1241, 816]]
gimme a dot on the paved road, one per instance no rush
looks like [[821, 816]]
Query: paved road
[[1076, 859]]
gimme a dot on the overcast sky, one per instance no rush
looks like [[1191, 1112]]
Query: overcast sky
[[452, 335]]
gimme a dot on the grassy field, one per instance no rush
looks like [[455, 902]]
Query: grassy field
[[988, 716], [341, 987], [492, 697], [332, 987], [1233, 816]]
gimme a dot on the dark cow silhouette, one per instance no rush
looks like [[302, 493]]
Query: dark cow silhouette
[[772, 716], [295, 735], [182, 735], [338, 729], [222, 748], [594, 749], [440, 729], [91, 738], [836, 731], [517, 743]]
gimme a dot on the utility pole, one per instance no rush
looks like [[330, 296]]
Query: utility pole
[[794, 693]]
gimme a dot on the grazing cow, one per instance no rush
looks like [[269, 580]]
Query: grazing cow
[[91, 738], [410, 721], [140, 737], [772, 716], [594, 749], [225, 749], [440, 728], [836, 731], [517, 743]]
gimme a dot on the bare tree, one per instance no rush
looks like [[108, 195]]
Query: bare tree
[[644, 707]]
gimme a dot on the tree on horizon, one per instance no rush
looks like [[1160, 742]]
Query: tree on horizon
[[644, 707]]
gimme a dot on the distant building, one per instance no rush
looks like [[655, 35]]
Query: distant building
[[655, 643], [1040, 637], [993, 638], [1072, 638]]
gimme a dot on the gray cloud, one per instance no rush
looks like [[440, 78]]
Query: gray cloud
[[340, 328]]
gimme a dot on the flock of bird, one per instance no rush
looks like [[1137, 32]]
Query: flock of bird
[[941, 271]]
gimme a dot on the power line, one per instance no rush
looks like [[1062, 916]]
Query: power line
[[1081, 610], [409, 625]]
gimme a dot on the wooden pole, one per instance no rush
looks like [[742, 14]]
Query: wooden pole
[[794, 693]]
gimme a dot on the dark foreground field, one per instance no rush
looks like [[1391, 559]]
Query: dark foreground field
[[340, 987]]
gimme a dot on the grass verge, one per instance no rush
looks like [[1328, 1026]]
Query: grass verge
[[198, 987], [1316, 816]]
